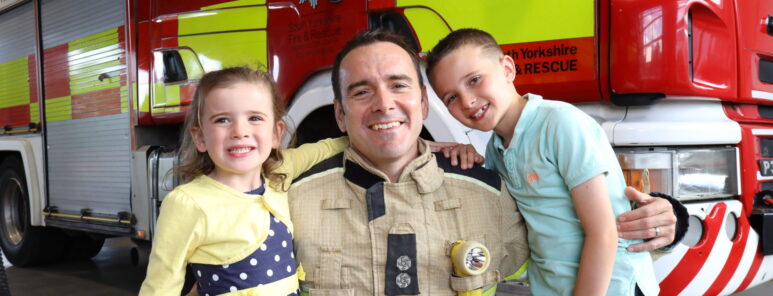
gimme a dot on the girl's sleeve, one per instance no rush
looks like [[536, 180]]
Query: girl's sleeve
[[179, 230], [296, 161]]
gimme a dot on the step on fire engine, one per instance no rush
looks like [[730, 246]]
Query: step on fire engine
[[93, 94]]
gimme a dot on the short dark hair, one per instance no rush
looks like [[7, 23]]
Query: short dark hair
[[459, 38], [365, 38]]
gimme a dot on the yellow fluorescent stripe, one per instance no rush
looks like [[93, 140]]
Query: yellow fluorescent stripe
[[14, 83], [34, 115], [89, 59], [109, 36], [142, 98], [58, 109], [101, 49], [517, 21], [518, 273], [92, 56], [95, 87], [234, 4], [490, 290], [428, 27], [245, 18], [159, 96], [124, 99], [172, 95], [112, 68], [216, 51]]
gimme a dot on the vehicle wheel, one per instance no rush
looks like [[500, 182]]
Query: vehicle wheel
[[82, 247], [23, 245], [318, 125]]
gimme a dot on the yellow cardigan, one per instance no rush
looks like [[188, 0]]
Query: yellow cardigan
[[207, 222]]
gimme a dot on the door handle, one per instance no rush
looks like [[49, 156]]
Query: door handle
[[769, 25]]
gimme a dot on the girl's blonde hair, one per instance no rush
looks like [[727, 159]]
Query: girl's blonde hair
[[193, 163]]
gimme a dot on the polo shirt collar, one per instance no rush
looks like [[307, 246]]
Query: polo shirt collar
[[527, 117]]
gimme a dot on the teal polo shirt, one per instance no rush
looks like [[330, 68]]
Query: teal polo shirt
[[554, 148]]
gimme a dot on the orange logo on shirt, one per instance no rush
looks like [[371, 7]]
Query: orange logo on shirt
[[533, 177]]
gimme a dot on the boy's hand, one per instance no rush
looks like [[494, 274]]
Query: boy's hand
[[464, 153], [438, 146], [641, 222]]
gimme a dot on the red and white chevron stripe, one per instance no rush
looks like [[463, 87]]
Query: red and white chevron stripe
[[718, 264]]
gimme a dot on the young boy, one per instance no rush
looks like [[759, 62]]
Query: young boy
[[558, 164]]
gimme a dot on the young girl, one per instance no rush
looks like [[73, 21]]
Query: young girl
[[230, 220]]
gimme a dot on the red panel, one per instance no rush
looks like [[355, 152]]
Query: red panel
[[162, 7], [746, 113], [170, 117], [696, 256], [750, 154], [33, 78], [96, 103], [141, 8], [187, 92], [650, 48], [564, 69], [56, 72], [304, 40], [143, 55], [15, 116], [380, 4]]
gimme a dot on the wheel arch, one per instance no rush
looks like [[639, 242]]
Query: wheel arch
[[30, 150]]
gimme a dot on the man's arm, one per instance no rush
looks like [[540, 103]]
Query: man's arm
[[656, 210]]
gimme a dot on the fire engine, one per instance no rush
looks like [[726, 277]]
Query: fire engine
[[93, 95]]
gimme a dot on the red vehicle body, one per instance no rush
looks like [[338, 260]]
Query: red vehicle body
[[91, 111]]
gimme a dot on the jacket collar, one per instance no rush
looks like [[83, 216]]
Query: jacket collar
[[423, 170]]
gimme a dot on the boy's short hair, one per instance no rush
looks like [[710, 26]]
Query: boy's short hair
[[457, 39], [366, 38]]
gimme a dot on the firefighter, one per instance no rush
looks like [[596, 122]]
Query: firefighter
[[382, 217]]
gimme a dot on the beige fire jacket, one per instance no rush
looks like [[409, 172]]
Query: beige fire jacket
[[358, 234]]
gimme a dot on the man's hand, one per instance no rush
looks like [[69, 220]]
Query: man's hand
[[641, 223]]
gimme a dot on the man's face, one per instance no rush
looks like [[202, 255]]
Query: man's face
[[383, 104]]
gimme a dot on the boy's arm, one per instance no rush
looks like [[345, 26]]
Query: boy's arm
[[177, 234], [296, 161], [593, 207]]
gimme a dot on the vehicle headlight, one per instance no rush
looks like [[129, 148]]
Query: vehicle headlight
[[685, 173]]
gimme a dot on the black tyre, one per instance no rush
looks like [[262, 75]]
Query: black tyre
[[23, 244], [82, 247], [318, 125]]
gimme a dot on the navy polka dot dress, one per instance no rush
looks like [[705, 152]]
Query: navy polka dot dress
[[272, 261]]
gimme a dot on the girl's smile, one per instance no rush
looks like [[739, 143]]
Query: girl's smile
[[238, 131]]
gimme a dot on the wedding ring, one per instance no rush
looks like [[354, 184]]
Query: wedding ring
[[657, 231]]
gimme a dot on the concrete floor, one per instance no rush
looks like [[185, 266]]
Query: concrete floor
[[111, 273]]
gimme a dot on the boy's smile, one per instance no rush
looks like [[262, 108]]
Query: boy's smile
[[479, 114], [477, 88]]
